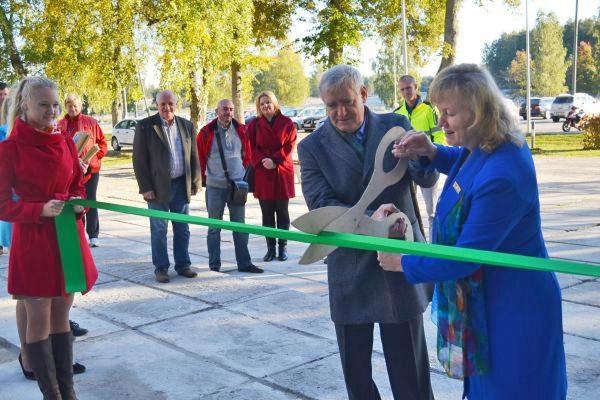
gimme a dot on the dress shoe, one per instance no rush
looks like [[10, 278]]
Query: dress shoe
[[94, 242], [188, 273], [78, 368], [216, 268], [161, 277], [282, 253], [76, 329], [252, 269], [270, 256]]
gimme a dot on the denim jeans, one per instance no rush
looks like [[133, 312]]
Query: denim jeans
[[181, 232], [216, 198]]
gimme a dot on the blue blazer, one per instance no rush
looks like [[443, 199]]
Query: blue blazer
[[523, 308]]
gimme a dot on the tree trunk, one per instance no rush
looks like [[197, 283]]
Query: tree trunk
[[6, 28], [115, 110], [336, 50], [203, 102], [236, 91], [450, 33], [194, 99], [124, 103]]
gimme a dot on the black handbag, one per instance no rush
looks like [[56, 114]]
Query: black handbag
[[237, 191], [249, 178]]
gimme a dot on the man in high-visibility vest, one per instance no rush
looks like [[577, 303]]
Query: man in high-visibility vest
[[423, 117]]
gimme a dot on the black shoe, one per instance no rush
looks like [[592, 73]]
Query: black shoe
[[28, 374], [77, 330], [252, 269], [282, 253], [270, 256], [216, 268], [78, 368]]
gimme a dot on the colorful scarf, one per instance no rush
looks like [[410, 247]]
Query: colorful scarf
[[458, 310]]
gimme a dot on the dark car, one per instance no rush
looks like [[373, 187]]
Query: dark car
[[309, 124], [540, 107]]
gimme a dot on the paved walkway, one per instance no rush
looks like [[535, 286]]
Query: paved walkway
[[237, 336]]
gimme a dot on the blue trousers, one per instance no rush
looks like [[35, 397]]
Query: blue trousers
[[181, 232], [216, 199]]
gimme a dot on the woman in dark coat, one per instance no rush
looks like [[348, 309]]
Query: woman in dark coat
[[39, 164], [272, 136]]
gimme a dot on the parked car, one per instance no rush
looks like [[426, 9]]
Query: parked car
[[563, 102], [304, 113], [310, 123], [320, 122], [249, 116], [123, 134], [292, 112], [540, 107]]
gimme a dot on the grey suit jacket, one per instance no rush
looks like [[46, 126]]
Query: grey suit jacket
[[333, 175], [152, 157]]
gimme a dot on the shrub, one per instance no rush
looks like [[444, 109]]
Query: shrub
[[590, 125]]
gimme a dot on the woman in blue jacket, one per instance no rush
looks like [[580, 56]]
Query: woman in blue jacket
[[499, 329]]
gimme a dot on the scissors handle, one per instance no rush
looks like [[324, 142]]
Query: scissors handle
[[377, 184]]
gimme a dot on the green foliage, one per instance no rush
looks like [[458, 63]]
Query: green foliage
[[499, 55], [517, 72], [587, 31], [548, 55], [590, 125], [383, 79], [340, 27], [314, 80], [285, 78], [588, 77]]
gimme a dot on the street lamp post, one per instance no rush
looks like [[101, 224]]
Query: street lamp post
[[575, 48], [528, 99], [404, 37]]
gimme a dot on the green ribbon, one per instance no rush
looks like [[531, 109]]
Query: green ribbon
[[364, 242], [70, 250]]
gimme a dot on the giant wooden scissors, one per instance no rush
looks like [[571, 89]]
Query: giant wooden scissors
[[354, 220]]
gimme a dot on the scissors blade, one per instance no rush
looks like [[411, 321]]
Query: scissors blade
[[315, 252], [316, 220]]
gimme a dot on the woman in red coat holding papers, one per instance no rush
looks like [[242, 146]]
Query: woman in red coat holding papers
[[41, 166], [272, 136]]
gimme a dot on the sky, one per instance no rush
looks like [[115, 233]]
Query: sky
[[478, 26]]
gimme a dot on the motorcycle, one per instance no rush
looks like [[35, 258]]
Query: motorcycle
[[572, 120]]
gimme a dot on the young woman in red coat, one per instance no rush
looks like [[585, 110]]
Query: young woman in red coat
[[273, 136], [40, 164]]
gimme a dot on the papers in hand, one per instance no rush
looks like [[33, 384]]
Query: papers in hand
[[90, 154], [81, 139]]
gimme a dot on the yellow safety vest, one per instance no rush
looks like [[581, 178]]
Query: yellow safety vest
[[423, 118]]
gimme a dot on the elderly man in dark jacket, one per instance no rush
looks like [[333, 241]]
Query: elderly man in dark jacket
[[166, 166], [336, 165]]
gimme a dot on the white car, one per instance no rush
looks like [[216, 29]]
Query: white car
[[123, 134], [563, 102]]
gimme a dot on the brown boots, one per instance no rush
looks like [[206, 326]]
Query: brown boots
[[52, 363], [62, 347], [41, 361]]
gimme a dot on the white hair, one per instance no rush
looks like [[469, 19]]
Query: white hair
[[341, 76]]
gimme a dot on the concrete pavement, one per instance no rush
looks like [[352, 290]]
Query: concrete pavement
[[230, 335]]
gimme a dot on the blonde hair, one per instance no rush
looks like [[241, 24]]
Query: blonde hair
[[4, 111], [271, 96], [73, 98], [494, 122], [22, 93]]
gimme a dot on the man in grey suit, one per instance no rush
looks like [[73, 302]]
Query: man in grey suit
[[336, 165], [165, 161]]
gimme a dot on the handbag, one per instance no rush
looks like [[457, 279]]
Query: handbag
[[249, 177], [237, 191]]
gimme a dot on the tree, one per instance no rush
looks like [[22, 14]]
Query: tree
[[586, 30], [11, 21], [548, 54], [451, 29], [285, 78], [340, 27], [499, 55], [517, 72], [587, 71], [383, 80]]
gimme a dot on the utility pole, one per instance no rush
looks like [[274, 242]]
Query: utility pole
[[575, 48], [528, 99], [404, 37]]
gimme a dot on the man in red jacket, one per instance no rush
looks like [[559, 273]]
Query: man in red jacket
[[236, 156], [74, 121]]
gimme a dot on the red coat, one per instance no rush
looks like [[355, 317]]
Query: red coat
[[38, 166], [205, 138], [90, 125], [276, 142]]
